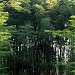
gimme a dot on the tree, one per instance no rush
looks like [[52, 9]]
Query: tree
[[36, 52], [5, 35]]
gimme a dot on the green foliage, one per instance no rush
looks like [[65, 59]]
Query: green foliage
[[39, 9], [3, 15], [34, 26], [26, 6], [4, 32], [5, 35], [61, 65]]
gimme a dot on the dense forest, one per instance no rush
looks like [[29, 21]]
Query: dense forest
[[37, 37]]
